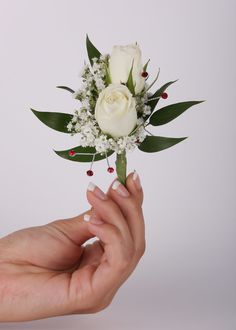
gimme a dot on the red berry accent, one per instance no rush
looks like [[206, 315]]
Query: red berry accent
[[144, 74], [71, 153], [110, 169], [89, 173], [164, 95]]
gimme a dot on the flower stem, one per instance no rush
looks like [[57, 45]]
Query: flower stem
[[121, 164]]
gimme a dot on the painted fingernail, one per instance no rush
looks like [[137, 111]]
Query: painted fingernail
[[137, 180], [97, 191], [87, 217], [95, 220], [120, 189]]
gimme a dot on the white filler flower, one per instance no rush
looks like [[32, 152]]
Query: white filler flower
[[120, 63], [115, 111]]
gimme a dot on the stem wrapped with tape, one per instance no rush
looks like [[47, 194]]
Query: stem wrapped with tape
[[121, 164]]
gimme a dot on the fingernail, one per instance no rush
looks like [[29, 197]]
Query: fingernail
[[96, 221], [93, 219], [87, 217], [120, 189], [137, 180], [97, 191]]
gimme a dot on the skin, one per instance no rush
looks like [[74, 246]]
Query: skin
[[47, 271]]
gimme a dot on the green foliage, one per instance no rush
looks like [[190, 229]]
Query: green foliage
[[156, 96], [86, 154], [158, 143], [130, 82], [55, 120], [66, 88], [145, 66], [108, 77], [170, 112], [91, 50]]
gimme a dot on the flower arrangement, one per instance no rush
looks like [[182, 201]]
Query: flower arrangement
[[116, 106]]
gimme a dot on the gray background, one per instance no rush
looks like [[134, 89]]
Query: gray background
[[186, 279]]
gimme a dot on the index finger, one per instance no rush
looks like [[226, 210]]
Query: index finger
[[129, 200]]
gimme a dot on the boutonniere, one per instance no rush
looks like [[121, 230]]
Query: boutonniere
[[116, 106]]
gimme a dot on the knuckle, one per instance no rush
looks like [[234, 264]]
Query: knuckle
[[115, 233], [99, 304], [135, 205], [122, 266], [135, 209], [126, 259], [101, 307], [140, 250]]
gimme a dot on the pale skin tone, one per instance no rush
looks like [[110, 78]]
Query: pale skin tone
[[47, 271]]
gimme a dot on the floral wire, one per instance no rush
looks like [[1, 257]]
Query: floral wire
[[148, 131], [136, 129], [154, 98], [107, 160], [94, 155], [87, 153]]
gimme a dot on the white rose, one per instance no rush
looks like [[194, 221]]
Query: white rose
[[120, 63], [115, 110]]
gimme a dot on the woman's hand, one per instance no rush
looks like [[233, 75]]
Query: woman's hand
[[47, 271]]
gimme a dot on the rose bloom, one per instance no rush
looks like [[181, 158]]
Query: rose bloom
[[115, 111], [120, 63]]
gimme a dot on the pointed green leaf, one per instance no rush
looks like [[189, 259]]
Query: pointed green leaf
[[108, 76], [158, 143], [66, 88], [54, 120], [91, 50], [86, 154], [150, 86], [170, 112], [130, 82], [145, 66], [154, 99]]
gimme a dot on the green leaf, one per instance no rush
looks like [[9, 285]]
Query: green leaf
[[158, 143], [55, 120], [145, 66], [108, 76], [150, 86], [170, 112], [156, 96], [130, 83], [91, 50], [66, 88], [86, 154]]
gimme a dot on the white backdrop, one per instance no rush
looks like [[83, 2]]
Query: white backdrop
[[186, 280]]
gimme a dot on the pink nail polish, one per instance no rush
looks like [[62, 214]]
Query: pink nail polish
[[120, 189], [97, 191]]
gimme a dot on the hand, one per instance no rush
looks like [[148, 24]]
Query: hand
[[47, 271]]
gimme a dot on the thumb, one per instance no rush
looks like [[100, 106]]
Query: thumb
[[76, 229]]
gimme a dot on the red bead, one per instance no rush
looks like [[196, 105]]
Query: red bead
[[71, 153], [164, 95], [110, 169], [144, 74], [89, 173]]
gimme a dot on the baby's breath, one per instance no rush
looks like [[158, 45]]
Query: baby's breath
[[84, 123]]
